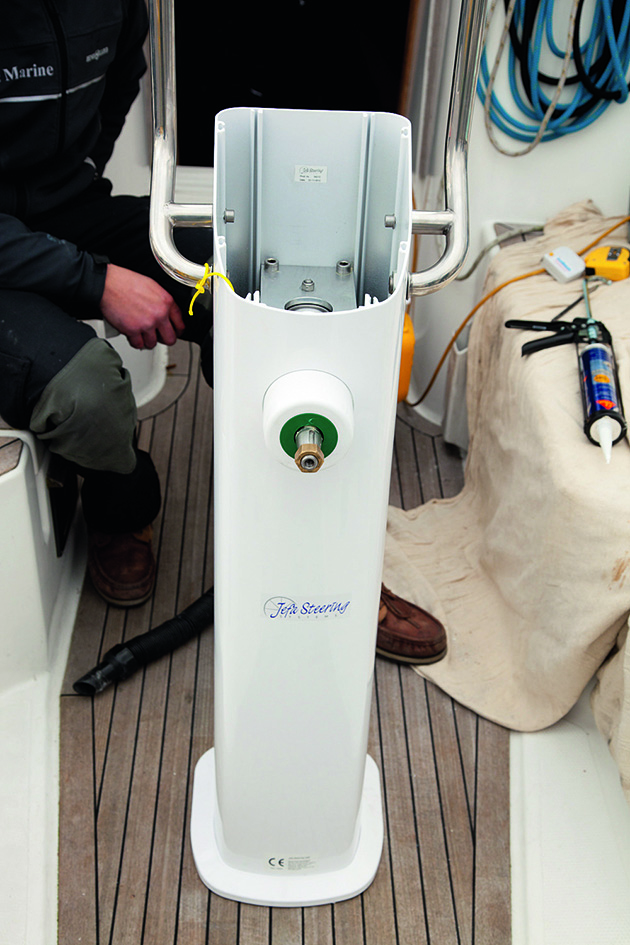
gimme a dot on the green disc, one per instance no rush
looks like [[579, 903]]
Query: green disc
[[327, 429]]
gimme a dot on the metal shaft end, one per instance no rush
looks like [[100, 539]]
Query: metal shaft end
[[309, 457]]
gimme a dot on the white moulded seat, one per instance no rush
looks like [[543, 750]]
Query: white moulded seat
[[33, 578]]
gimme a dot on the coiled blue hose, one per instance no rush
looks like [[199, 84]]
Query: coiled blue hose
[[594, 71]]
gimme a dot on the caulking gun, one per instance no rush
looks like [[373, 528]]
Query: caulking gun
[[604, 421]]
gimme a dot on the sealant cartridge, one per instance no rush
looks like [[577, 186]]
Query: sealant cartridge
[[604, 421]]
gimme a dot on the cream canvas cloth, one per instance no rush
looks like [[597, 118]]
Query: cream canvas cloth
[[529, 566]]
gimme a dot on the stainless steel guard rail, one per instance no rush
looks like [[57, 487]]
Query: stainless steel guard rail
[[451, 223], [165, 214]]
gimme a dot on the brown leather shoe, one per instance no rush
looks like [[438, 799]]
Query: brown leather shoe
[[122, 566], [407, 633]]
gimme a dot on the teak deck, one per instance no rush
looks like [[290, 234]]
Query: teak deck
[[128, 755]]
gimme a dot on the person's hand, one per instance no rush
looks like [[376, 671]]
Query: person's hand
[[140, 309]]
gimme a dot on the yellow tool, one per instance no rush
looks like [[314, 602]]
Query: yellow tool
[[609, 262]]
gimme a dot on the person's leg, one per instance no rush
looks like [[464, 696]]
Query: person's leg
[[70, 388], [117, 228], [36, 340]]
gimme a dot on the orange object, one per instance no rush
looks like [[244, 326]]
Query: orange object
[[406, 358], [609, 262]]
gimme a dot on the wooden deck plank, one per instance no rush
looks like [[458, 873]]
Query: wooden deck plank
[[467, 733], [170, 814], [458, 838], [348, 922], [286, 926], [410, 915], [124, 867], [434, 862], [406, 458], [492, 838], [224, 922], [115, 724], [107, 725], [318, 926], [427, 472], [78, 899], [253, 925]]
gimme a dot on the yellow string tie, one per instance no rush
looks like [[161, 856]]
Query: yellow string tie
[[201, 285]]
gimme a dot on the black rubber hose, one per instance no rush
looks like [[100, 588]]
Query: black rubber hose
[[124, 659]]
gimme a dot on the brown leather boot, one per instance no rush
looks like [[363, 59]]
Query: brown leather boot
[[122, 566], [407, 633]]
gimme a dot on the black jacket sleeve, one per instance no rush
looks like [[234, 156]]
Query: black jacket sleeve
[[122, 82], [54, 268]]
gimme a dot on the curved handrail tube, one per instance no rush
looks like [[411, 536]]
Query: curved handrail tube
[[431, 221], [164, 213], [191, 214], [467, 55]]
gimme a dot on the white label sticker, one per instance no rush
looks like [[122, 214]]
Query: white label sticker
[[301, 863], [311, 173]]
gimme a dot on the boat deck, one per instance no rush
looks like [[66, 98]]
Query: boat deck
[[126, 873]]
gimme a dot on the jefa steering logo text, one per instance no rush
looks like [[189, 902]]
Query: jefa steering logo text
[[284, 608]]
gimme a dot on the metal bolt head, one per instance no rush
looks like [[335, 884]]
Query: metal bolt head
[[308, 285], [228, 216], [309, 458]]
